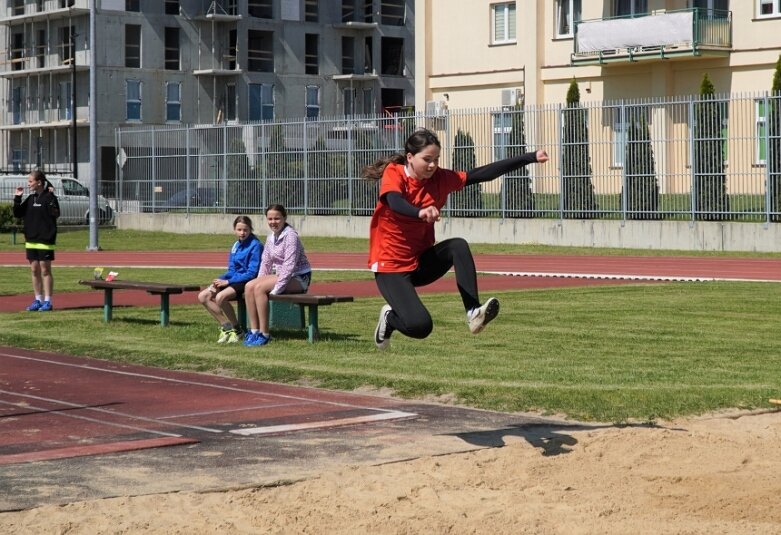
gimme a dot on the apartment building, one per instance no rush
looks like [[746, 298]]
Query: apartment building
[[500, 53], [189, 62]]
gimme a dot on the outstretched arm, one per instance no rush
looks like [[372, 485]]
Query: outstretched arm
[[497, 169]]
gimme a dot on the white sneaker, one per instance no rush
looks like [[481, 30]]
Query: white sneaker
[[381, 334], [479, 317]]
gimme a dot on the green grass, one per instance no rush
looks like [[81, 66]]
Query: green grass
[[608, 353]]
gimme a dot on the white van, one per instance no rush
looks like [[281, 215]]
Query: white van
[[72, 196]]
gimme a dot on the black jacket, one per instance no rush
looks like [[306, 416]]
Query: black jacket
[[40, 212]]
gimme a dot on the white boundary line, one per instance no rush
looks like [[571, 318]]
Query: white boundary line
[[276, 429], [618, 276]]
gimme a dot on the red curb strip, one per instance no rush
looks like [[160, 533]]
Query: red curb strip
[[97, 449]]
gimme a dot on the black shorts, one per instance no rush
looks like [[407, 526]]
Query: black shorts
[[238, 288], [40, 255]]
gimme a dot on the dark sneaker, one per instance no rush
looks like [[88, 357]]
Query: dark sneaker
[[46, 306], [382, 332], [35, 305], [481, 316]]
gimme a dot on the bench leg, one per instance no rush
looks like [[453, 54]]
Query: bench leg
[[313, 330], [164, 307], [241, 313], [108, 304]]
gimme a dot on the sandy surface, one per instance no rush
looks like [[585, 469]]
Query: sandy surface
[[717, 474]]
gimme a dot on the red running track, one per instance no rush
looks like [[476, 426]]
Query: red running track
[[546, 265]]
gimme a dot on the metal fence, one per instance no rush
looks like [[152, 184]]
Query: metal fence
[[715, 158]]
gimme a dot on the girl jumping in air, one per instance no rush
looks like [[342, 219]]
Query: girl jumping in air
[[243, 266], [403, 253]]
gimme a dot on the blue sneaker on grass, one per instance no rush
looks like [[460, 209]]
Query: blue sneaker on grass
[[36, 305], [256, 339]]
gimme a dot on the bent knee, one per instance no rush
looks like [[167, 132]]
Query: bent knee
[[420, 328]]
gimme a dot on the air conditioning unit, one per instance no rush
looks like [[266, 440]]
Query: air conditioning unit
[[436, 108], [511, 97]]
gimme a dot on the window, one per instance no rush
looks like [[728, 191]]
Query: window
[[230, 102], [620, 129], [567, 14], [40, 49], [18, 159], [760, 120], [368, 11], [768, 8], [310, 11], [17, 52], [17, 104], [348, 10], [503, 23], [261, 9], [171, 7], [392, 12], [720, 5], [312, 102], [133, 46], [260, 51], [66, 44], [311, 54], [349, 101], [368, 54], [502, 130], [348, 55], [368, 101], [630, 8], [392, 56], [17, 7], [261, 102], [133, 100], [173, 101], [172, 49], [133, 5], [38, 6], [232, 40], [66, 3], [64, 102]]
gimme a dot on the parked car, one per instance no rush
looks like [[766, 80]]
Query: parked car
[[72, 195], [198, 198]]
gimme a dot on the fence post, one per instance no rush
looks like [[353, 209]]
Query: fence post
[[768, 154], [692, 163], [626, 141], [560, 143], [306, 168]]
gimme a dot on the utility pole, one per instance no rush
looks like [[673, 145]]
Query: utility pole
[[94, 213], [74, 142]]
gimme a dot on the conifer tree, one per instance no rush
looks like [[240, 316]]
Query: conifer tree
[[774, 145], [710, 182], [577, 188], [642, 187], [469, 201], [519, 199]]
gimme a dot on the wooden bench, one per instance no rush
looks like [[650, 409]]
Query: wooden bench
[[155, 288], [308, 301]]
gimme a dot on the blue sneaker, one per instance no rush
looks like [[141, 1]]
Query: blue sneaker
[[46, 306], [256, 339], [36, 305]]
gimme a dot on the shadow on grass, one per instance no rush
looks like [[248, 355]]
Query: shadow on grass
[[551, 438]]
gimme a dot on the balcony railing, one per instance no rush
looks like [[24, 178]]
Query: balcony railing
[[688, 32]]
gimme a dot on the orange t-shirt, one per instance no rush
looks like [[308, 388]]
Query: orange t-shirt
[[395, 240]]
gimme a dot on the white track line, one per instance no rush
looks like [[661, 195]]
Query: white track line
[[626, 276], [276, 429]]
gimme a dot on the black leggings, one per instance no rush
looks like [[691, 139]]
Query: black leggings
[[409, 316]]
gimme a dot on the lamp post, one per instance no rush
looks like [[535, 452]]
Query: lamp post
[[74, 142]]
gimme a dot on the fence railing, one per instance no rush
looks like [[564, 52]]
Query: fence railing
[[679, 158]]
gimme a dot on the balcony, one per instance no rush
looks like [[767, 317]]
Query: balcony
[[673, 34], [26, 13]]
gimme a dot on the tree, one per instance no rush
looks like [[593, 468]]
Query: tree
[[284, 172], [710, 183], [642, 187], [469, 201], [243, 187], [774, 145], [579, 199], [519, 199]]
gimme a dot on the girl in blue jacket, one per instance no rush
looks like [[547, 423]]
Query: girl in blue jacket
[[243, 266]]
